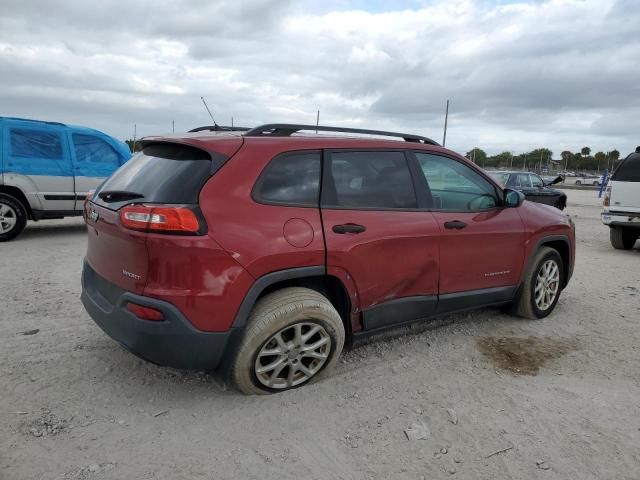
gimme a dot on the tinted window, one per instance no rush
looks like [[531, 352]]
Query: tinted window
[[629, 169], [536, 181], [160, 174], [518, 180], [290, 179], [500, 177], [93, 149], [456, 186], [35, 144], [370, 180]]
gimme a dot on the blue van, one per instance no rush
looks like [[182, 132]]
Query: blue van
[[47, 168]]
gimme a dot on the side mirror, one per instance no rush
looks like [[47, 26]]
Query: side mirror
[[513, 198]]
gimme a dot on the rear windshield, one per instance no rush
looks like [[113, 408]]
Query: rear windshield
[[161, 173], [628, 170]]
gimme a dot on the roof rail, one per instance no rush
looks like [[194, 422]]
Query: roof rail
[[219, 128], [287, 129], [34, 121]]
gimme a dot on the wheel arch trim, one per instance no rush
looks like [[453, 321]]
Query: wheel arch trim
[[545, 241], [266, 281]]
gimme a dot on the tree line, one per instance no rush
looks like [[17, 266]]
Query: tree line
[[541, 157]]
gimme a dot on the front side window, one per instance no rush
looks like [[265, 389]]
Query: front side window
[[290, 179], [369, 180], [455, 186], [536, 181], [31, 143], [95, 150]]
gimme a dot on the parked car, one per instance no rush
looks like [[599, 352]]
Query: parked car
[[262, 253], [47, 168], [534, 187], [621, 210], [589, 180]]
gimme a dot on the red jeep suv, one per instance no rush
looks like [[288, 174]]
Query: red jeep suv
[[260, 253]]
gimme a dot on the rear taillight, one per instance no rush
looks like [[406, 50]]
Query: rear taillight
[[160, 218], [85, 204], [607, 196], [145, 313]]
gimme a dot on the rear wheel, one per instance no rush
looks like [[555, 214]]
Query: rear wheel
[[542, 286], [622, 239], [13, 217], [293, 336]]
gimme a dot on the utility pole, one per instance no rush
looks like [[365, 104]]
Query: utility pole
[[173, 126], [135, 131], [446, 119], [231, 122], [317, 120]]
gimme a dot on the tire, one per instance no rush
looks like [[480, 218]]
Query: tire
[[561, 203], [13, 217], [622, 239], [272, 326], [527, 305], [578, 182]]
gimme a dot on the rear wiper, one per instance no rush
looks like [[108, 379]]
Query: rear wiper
[[118, 195]]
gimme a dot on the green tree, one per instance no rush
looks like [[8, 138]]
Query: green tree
[[585, 151], [578, 161], [614, 155], [566, 156], [477, 155], [601, 160]]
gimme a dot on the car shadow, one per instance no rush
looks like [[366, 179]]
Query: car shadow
[[52, 230]]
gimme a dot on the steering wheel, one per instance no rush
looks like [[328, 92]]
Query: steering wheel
[[480, 202]]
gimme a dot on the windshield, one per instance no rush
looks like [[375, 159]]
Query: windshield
[[629, 169]]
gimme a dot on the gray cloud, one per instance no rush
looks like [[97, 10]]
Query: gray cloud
[[561, 74]]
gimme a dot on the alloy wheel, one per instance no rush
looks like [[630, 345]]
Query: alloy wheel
[[8, 218], [547, 284], [293, 355]]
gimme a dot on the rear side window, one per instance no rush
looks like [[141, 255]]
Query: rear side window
[[519, 180], [291, 179], [628, 170], [161, 173], [30, 143], [94, 150], [369, 180]]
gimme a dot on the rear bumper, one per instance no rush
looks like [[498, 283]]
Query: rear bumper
[[172, 342], [621, 219]]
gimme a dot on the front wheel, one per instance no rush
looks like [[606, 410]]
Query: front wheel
[[542, 286], [293, 336], [622, 239], [13, 217]]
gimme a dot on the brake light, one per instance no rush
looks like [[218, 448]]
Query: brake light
[[85, 204], [145, 313], [160, 218], [607, 196]]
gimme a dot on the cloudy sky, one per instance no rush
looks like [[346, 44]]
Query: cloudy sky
[[560, 73]]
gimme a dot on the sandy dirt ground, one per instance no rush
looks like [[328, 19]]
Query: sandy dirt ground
[[482, 395]]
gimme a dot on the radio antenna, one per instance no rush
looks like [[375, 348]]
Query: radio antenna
[[209, 111]]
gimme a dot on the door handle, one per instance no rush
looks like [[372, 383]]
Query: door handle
[[349, 228], [455, 225]]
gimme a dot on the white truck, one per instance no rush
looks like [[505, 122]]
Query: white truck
[[622, 203]]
